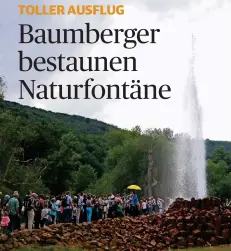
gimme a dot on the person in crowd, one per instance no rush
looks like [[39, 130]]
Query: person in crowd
[[144, 206], [41, 200], [5, 220], [37, 212], [134, 204], [31, 210], [111, 203], [95, 210], [84, 211], [58, 211], [75, 199], [100, 206], [155, 205], [48, 201], [150, 205], [74, 213], [79, 207], [111, 196], [105, 208], [126, 205], [81, 196], [6, 200], [89, 205], [119, 209], [45, 216], [118, 198], [26, 203], [67, 205], [53, 210], [43, 210], [13, 207], [89, 208], [160, 204]]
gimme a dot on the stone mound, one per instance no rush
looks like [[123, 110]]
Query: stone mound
[[186, 224]]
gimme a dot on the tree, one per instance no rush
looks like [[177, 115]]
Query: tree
[[16, 172], [22, 176], [2, 87], [84, 177], [223, 188], [137, 129], [62, 163], [10, 139], [168, 133], [44, 151], [219, 179], [221, 154]]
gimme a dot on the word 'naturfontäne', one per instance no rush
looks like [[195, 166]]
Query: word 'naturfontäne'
[[71, 10]]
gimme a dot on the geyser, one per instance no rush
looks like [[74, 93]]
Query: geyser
[[190, 173]]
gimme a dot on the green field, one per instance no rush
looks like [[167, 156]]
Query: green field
[[226, 248], [49, 249]]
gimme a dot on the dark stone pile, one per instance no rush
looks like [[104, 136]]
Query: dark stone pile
[[186, 224]]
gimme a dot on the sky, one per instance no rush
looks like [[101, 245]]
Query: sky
[[166, 62]]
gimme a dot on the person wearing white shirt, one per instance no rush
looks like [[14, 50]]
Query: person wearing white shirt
[[79, 208], [58, 211], [160, 204], [45, 216], [144, 207]]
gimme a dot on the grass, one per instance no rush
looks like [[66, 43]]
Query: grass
[[53, 248], [226, 248]]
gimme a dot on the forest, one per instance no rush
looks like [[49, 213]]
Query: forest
[[52, 152]]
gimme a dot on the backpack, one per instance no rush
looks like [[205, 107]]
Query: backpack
[[37, 204], [64, 202], [26, 202], [30, 204]]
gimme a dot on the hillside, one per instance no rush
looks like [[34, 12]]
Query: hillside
[[53, 152], [82, 124], [211, 145]]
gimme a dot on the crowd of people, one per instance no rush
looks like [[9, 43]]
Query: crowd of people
[[36, 211]]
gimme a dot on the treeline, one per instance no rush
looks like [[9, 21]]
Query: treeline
[[212, 145], [44, 153], [219, 173], [52, 152]]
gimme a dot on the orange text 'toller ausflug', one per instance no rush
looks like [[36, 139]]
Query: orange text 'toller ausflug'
[[52, 10]]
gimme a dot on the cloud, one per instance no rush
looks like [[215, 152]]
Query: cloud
[[166, 62]]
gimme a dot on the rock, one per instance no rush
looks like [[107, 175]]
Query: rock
[[174, 232], [51, 241], [213, 241], [153, 243], [200, 242], [3, 237], [94, 230], [186, 224], [190, 245], [226, 234], [221, 240], [196, 232], [47, 229]]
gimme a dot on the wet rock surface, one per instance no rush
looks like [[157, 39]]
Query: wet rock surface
[[186, 224]]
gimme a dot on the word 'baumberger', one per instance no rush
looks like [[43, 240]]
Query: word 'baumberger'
[[71, 10], [96, 91]]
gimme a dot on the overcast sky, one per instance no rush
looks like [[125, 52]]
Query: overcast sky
[[166, 62]]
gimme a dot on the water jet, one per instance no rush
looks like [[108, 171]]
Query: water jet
[[190, 173]]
